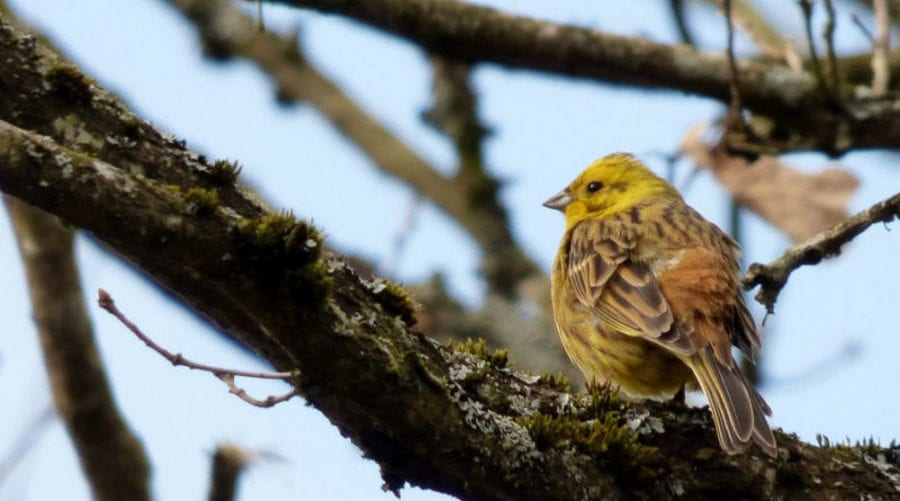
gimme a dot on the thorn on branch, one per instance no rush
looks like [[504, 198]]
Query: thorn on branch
[[226, 375]]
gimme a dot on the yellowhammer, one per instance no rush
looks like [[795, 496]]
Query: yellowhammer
[[645, 296]]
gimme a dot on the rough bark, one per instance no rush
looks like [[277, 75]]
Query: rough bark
[[432, 416]]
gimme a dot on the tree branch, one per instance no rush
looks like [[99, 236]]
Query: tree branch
[[225, 375], [479, 34], [438, 418], [772, 277], [471, 201], [228, 463], [470, 197], [467, 427], [111, 456], [881, 47]]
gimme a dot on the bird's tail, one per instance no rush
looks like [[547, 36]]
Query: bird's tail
[[739, 412]]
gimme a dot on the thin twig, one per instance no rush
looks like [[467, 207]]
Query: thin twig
[[807, 7], [830, 25], [881, 46], [735, 118], [772, 277], [759, 30], [226, 375], [678, 15], [270, 401], [862, 27], [259, 15], [25, 442], [401, 239]]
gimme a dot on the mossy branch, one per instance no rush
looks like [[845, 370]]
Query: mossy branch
[[430, 416], [470, 198]]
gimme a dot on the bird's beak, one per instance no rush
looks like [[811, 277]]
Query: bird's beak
[[559, 201]]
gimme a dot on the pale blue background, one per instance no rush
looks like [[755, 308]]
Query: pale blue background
[[831, 351]]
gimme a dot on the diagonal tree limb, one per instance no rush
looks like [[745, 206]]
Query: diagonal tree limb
[[472, 201], [466, 427], [479, 34], [111, 456], [430, 416], [470, 197], [360, 361], [772, 277]]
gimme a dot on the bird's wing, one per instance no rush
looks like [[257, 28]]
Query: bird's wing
[[701, 291], [623, 293], [703, 286]]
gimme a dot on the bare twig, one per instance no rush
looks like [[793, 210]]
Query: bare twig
[[401, 239], [830, 25], [678, 15], [760, 31], [226, 375], [270, 401], [881, 46], [862, 27], [25, 442], [735, 117], [772, 277], [259, 15], [807, 7], [828, 364]]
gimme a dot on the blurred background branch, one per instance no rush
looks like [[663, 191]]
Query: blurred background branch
[[112, 457], [515, 314]]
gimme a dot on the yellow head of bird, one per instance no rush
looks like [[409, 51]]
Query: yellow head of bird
[[611, 184]]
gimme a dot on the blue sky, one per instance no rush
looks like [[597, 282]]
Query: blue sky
[[546, 130]]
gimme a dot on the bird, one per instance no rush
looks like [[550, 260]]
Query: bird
[[645, 297]]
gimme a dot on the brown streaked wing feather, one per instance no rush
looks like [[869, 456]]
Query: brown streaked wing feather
[[738, 410], [633, 294], [743, 330], [593, 258], [703, 285], [623, 293]]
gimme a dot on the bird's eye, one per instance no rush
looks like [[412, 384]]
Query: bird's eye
[[594, 186]]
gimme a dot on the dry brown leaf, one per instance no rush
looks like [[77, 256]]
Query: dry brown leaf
[[799, 204]]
